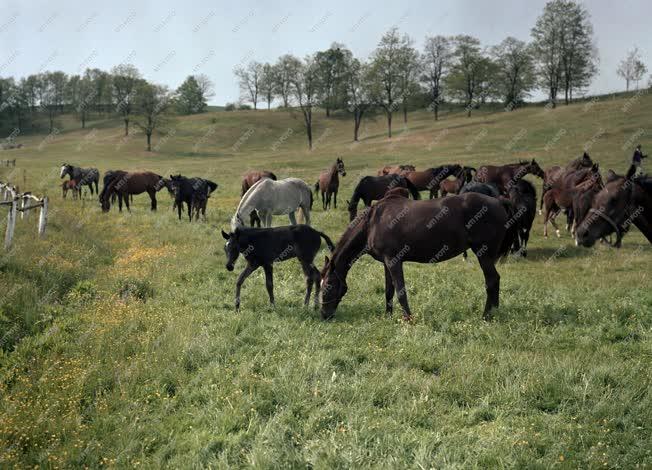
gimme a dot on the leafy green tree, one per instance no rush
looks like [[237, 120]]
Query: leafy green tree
[[469, 71], [515, 74], [249, 80], [152, 102], [331, 65], [436, 60], [125, 82], [267, 84], [306, 87], [190, 98]]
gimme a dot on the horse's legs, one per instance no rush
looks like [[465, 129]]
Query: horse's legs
[[152, 195], [389, 291], [308, 272], [492, 283], [306, 214], [269, 281], [570, 216], [119, 202], [97, 189], [316, 277], [396, 270], [323, 200], [189, 203], [241, 279], [268, 219], [293, 218], [126, 200], [335, 200]]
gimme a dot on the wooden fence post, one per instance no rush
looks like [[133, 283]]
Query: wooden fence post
[[43, 217], [11, 223]]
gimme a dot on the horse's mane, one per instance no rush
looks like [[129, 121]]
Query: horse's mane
[[248, 195], [356, 229]]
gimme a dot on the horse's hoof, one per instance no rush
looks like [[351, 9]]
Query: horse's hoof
[[540, 212], [558, 233]]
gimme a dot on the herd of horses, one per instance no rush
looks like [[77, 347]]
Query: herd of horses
[[489, 210]]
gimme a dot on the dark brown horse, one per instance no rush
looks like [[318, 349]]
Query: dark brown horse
[[507, 175], [398, 230], [329, 183], [555, 173], [623, 201], [374, 188], [454, 186], [396, 170], [428, 180], [566, 191], [131, 183], [251, 177]]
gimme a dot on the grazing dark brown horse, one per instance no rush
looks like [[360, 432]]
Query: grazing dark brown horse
[[623, 200], [555, 173], [374, 188], [130, 183], [506, 175], [396, 170], [428, 180], [567, 190], [266, 246], [398, 230], [329, 183]]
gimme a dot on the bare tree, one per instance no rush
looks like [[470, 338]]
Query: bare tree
[[125, 79], [267, 84], [249, 79], [410, 67], [436, 59], [206, 86], [305, 87], [358, 100], [579, 56], [631, 68]]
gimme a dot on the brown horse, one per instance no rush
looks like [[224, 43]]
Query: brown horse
[[395, 170], [329, 183], [555, 173], [70, 185], [428, 180], [507, 175], [454, 186], [623, 200], [397, 230], [565, 191], [251, 177], [374, 188], [130, 183]]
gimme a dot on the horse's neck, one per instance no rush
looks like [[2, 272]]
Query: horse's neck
[[334, 174], [353, 242]]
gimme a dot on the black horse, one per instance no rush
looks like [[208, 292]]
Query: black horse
[[524, 198], [265, 246], [193, 191], [374, 188], [106, 180], [82, 176]]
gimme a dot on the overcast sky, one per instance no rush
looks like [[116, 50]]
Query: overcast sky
[[168, 40]]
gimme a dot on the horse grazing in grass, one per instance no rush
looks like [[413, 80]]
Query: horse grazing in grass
[[374, 188], [623, 201], [70, 185], [396, 170], [82, 176], [131, 183], [266, 246], [397, 230], [428, 180], [108, 177], [524, 200], [555, 173], [506, 175], [269, 197], [565, 192], [329, 183], [193, 191]]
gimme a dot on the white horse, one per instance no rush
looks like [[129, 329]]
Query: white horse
[[269, 197]]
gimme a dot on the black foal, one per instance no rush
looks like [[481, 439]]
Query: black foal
[[266, 246]]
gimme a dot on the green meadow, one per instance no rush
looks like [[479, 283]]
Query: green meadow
[[120, 345]]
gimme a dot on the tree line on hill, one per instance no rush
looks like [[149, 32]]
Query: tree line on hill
[[560, 60], [26, 103]]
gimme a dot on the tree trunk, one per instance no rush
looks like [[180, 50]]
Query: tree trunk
[[404, 113], [357, 118], [328, 111], [436, 111], [309, 132], [83, 121], [126, 126], [149, 141], [389, 124]]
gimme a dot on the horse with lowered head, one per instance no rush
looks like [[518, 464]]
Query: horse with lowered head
[[505, 176], [82, 176], [374, 188], [269, 197], [329, 183], [193, 191], [126, 184], [397, 230]]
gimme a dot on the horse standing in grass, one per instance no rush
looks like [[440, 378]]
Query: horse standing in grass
[[555, 173], [128, 183], [623, 201], [397, 230], [506, 175], [269, 197], [524, 199], [248, 180], [329, 183], [448, 186], [193, 191], [82, 176], [266, 246], [428, 180], [374, 188], [70, 185]]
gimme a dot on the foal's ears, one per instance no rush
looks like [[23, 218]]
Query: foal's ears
[[225, 235]]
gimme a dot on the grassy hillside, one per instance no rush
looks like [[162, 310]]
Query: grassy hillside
[[120, 345]]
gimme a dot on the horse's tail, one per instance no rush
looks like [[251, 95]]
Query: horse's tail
[[511, 229], [413, 189], [317, 187], [312, 199], [328, 241]]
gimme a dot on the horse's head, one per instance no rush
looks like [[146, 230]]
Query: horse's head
[[609, 211], [586, 160], [105, 200], [534, 168], [340, 167], [66, 169], [333, 288], [353, 210], [231, 248]]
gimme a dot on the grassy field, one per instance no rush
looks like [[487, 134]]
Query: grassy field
[[121, 347]]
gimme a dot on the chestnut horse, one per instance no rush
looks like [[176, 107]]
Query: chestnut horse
[[395, 169], [555, 173], [329, 183], [128, 183], [623, 200], [449, 186], [397, 230], [251, 177], [373, 188], [506, 175], [428, 180]]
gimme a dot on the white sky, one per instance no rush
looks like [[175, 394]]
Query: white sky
[[168, 40]]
